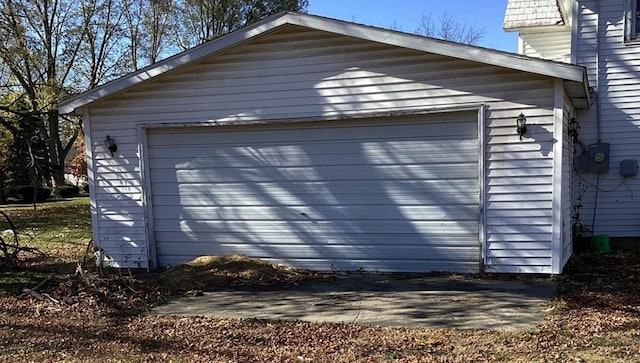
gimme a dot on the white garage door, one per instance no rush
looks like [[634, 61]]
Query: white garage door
[[399, 194]]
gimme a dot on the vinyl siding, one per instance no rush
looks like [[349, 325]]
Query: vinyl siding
[[614, 75], [298, 74], [553, 45]]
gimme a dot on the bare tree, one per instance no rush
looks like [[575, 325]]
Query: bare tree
[[147, 26], [39, 44], [201, 20], [447, 28], [101, 54], [50, 49]]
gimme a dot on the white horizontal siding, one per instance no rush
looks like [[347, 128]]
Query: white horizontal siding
[[614, 73], [329, 76], [552, 45]]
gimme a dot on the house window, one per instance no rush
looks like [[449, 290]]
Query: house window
[[636, 18], [632, 20]]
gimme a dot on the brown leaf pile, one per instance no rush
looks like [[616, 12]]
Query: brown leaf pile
[[206, 272], [595, 318]]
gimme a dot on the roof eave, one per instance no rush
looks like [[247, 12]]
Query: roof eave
[[579, 91], [442, 47], [567, 72]]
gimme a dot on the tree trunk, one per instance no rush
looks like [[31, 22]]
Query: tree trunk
[[56, 150], [2, 200]]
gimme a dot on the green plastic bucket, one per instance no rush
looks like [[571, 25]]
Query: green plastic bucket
[[600, 243]]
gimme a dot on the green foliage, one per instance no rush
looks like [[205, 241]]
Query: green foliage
[[78, 165], [66, 191], [27, 193], [25, 159]]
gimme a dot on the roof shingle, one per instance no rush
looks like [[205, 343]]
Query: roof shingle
[[529, 13]]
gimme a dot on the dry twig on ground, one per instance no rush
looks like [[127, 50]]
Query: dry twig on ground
[[10, 247]]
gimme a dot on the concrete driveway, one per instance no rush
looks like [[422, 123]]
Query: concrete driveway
[[453, 301]]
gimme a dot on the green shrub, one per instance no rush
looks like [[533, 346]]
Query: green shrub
[[26, 193], [66, 191]]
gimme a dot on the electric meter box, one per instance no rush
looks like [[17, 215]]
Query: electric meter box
[[598, 157]]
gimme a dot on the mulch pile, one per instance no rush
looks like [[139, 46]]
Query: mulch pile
[[208, 272]]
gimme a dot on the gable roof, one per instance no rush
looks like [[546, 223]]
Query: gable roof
[[575, 77]]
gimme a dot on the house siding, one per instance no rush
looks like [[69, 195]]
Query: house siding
[[613, 68], [297, 73], [554, 45]]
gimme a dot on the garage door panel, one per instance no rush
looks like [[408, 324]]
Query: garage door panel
[[321, 213], [324, 194], [316, 230], [346, 172], [338, 187], [296, 152], [205, 239], [275, 199], [374, 158], [339, 252], [452, 130]]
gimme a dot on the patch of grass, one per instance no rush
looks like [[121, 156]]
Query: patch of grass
[[12, 282], [60, 229], [51, 224]]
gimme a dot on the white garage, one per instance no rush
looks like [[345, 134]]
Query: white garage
[[328, 145], [386, 194]]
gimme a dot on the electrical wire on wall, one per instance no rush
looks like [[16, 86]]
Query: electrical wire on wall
[[597, 95], [597, 102]]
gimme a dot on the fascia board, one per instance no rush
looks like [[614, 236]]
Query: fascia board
[[563, 71]]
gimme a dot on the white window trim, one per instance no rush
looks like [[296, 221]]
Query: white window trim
[[631, 33]]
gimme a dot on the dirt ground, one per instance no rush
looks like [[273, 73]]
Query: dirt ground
[[594, 317]]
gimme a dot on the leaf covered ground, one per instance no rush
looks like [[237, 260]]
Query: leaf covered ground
[[100, 317]]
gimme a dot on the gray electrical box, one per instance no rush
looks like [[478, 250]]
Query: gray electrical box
[[629, 167], [582, 162], [598, 158]]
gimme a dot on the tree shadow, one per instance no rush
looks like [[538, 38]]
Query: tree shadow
[[298, 187]]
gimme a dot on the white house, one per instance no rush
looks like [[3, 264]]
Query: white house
[[603, 36], [325, 144]]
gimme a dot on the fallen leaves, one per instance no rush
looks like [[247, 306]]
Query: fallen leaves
[[235, 270], [589, 321]]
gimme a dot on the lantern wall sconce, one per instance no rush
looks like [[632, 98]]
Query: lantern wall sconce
[[521, 123], [573, 129], [110, 144]]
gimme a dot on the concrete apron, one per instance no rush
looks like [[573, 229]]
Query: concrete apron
[[381, 299]]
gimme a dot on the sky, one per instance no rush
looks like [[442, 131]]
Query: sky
[[405, 15]]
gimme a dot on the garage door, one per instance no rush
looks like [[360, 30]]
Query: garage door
[[396, 194]]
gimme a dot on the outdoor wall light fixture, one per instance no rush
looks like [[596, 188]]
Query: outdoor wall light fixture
[[521, 121], [110, 144], [573, 129]]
